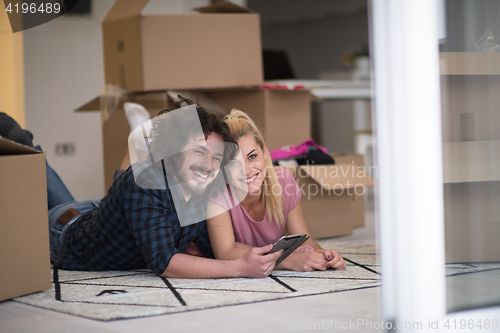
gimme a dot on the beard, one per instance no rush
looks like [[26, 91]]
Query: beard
[[190, 182]]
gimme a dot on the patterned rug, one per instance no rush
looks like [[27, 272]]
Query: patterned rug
[[115, 295]]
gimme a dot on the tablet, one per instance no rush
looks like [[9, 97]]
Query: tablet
[[288, 244]]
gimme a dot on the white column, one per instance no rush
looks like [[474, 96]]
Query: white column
[[407, 124]]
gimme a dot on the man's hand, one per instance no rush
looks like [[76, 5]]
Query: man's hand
[[335, 260], [254, 264]]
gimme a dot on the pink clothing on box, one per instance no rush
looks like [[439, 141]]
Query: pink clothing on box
[[291, 151], [261, 233]]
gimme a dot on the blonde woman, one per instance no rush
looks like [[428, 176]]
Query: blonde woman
[[268, 201]]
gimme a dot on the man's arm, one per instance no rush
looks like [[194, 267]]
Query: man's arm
[[252, 264], [221, 234]]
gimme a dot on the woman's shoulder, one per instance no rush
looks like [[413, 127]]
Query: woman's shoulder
[[221, 198], [290, 190]]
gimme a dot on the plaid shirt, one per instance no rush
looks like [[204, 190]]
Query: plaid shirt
[[134, 227]]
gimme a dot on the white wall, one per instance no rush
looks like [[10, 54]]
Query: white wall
[[64, 70]]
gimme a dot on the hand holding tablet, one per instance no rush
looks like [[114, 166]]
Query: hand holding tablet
[[288, 244]]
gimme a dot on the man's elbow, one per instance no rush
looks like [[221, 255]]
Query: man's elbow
[[168, 274]]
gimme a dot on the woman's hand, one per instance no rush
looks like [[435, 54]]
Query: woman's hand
[[335, 260], [304, 261], [304, 248]]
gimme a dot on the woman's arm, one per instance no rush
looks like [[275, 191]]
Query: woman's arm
[[308, 260], [220, 231]]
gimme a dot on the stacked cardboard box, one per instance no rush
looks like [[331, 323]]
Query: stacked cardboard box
[[269, 108], [219, 48], [217, 52], [24, 236]]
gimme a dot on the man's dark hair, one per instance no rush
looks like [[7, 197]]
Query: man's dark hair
[[170, 137]]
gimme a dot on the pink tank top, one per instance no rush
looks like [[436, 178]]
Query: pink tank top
[[261, 233]]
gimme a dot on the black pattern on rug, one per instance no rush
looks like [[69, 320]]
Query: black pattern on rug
[[113, 295]]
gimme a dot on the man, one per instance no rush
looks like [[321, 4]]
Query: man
[[137, 226]]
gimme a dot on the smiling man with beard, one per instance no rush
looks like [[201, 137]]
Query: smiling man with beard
[[154, 213]]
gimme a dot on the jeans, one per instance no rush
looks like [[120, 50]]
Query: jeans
[[56, 230], [57, 193], [59, 199]]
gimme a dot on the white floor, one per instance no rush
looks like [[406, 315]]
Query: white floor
[[323, 312]]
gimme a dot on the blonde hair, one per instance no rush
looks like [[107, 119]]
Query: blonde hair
[[241, 125]]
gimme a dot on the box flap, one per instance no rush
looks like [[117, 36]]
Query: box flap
[[197, 96], [8, 147], [125, 8], [223, 7], [348, 158], [336, 176], [93, 105]]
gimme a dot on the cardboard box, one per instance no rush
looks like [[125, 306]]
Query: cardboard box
[[24, 231], [115, 127], [283, 116], [471, 196], [219, 48], [329, 197], [358, 201]]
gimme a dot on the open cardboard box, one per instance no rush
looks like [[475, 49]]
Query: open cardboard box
[[358, 201], [24, 231], [331, 195], [284, 116], [219, 48]]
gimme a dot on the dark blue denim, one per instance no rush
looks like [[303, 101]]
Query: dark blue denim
[[56, 229], [57, 192]]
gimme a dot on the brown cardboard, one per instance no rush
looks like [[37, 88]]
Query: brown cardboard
[[328, 197], [219, 48], [283, 116], [348, 158], [24, 232], [358, 201], [115, 130]]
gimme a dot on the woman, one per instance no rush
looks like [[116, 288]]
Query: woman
[[269, 202]]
